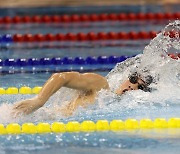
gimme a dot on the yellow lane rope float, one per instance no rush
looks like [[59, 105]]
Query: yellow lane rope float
[[90, 126], [85, 126], [21, 90]]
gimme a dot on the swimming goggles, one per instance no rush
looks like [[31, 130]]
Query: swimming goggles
[[134, 79]]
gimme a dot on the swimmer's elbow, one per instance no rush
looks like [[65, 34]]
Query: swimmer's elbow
[[106, 86], [56, 76]]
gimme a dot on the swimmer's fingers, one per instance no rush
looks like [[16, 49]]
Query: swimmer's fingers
[[15, 114], [26, 106], [23, 108], [19, 105], [16, 107], [20, 112], [20, 109], [15, 111]]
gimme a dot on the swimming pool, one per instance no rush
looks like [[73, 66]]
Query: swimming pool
[[161, 103]]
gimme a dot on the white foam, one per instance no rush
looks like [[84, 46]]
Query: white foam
[[154, 61]]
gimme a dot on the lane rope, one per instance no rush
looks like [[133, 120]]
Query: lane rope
[[90, 36], [63, 61], [89, 18], [70, 61], [90, 126], [81, 69], [55, 65], [21, 90]]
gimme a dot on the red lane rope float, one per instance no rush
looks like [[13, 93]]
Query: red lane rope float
[[175, 56], [89, 17], [91, 36]]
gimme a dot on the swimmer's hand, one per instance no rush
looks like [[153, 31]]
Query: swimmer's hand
[[26, 106]]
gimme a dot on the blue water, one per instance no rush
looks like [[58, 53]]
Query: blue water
[[72, 49], [88, 143], [89, 9], [83, 27], [138, 141]]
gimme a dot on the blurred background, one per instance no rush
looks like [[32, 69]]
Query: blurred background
[[60, 32], [28, 3], [87, 6], [41, 37]]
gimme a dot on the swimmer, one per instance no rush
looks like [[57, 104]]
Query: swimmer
[[88, 85]]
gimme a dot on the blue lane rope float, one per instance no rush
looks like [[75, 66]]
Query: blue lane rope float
[[90, 126], [56, 70], [7, 38], [63, 61], [53, 65], [69, 60]]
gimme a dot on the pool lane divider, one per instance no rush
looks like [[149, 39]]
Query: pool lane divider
[[81, 69], [90, 126], [21, 90], [53, 65], [75, 18], [91, 36], [70, 61], [64, 61], [66, 64]]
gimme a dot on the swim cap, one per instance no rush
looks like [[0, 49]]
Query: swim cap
[[148, 79]]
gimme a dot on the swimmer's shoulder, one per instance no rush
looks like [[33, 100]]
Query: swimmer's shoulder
[[96, 80]]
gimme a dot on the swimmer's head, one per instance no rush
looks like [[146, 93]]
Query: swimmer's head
[[135, 82]]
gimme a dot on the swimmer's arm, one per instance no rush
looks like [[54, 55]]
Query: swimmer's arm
[[74, 80]]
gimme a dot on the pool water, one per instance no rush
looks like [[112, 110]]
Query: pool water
[[163, 102]]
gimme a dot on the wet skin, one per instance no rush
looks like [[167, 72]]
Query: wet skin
[[127, 86], [87, 85]]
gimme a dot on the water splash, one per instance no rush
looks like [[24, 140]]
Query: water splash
[[154, 61]]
